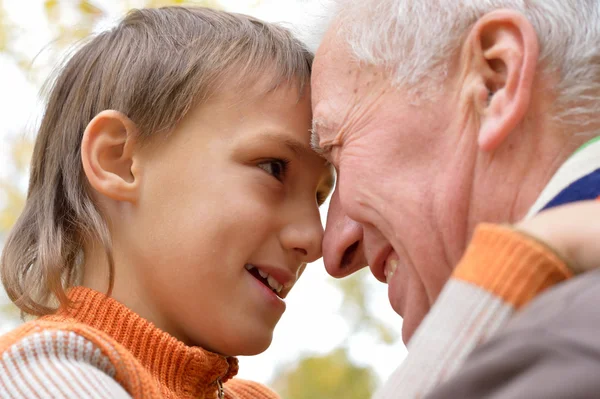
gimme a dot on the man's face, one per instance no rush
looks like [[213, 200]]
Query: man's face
[[403, 172]]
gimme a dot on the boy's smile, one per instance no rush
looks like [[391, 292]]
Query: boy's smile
[[275, 278], [225, 220]]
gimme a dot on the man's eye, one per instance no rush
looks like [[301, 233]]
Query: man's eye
[[275, 167]]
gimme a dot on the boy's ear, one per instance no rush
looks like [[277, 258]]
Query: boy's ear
[[107, 154], [503, 52]]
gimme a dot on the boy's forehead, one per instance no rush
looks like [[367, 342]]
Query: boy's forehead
[[235, 85]]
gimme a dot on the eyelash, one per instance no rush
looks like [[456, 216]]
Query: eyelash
[[283, 164]]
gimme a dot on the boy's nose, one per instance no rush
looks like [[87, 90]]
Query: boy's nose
[[343, 244], [304, 236]]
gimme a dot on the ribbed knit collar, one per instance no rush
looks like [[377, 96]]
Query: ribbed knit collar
[[182, 369], [582, 163]]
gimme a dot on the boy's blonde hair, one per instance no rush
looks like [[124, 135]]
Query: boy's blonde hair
[[153, 67]]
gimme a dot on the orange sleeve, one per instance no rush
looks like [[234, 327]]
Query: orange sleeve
[[509, 264], [238, 388]]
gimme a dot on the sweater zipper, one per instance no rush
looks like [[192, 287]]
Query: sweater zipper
[[220, 389]]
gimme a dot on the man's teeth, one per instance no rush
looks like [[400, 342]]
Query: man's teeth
[[390, 269], [274, 284]]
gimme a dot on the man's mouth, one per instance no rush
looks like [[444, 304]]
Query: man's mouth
[[384, 264], [389, 269], [266, 279]]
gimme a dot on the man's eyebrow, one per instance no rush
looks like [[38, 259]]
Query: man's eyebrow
[[315, 140]]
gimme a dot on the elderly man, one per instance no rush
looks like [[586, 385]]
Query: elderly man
[[442, 114]]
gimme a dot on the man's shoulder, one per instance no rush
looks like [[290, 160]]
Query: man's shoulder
[[548, 350], [568, 310]]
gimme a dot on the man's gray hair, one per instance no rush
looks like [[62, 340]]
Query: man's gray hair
[[415, 39]]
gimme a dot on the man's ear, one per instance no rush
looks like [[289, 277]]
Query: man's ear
[[503, 52], [107, 154]]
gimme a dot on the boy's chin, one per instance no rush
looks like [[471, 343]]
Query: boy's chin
[[246, 344], [255, 347]]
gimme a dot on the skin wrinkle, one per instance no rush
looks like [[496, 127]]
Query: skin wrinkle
[[405, 256], [403, 253], [365, 109], [420, 169]]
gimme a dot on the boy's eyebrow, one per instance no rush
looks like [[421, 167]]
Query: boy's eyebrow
[[296, 146]]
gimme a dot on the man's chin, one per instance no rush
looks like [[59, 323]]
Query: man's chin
[[408, 329], [397, 293], [396, 296], [409, 307]]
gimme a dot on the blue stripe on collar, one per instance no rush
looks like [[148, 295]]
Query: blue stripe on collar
[[585, 188]]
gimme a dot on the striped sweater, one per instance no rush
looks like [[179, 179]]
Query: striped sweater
[[501, 271], [101, 349]]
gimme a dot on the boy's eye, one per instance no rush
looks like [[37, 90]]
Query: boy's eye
[[275, 167]]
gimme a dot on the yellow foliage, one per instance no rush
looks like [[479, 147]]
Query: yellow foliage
[[13, 204], [52, 10], [4, 29], [87, 8], [330, 376], [163, 3]]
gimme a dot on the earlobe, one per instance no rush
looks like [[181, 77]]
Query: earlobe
[[504, 52], [107, 154]]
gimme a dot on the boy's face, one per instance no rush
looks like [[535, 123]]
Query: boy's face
[[234, 187]]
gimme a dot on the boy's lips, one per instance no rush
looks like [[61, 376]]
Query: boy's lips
[[279, 279]]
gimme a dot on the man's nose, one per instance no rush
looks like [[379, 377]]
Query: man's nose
[[343, 249]]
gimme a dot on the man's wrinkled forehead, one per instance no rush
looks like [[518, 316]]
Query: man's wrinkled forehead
[[334, 79], [346, 94]]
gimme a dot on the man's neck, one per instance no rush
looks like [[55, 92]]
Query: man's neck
[[509, 181]]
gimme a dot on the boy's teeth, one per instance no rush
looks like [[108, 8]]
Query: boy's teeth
[[274, 284]]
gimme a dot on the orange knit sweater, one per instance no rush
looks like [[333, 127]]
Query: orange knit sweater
[[100, 333]]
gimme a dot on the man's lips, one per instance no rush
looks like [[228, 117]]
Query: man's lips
[[378, 263]]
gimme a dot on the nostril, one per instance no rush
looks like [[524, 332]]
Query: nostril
[[303, 251], [348, 255]]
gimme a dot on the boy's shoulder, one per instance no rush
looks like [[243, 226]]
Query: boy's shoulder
[[59, 333], [43, 355], [43, 331], [59, 348]]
